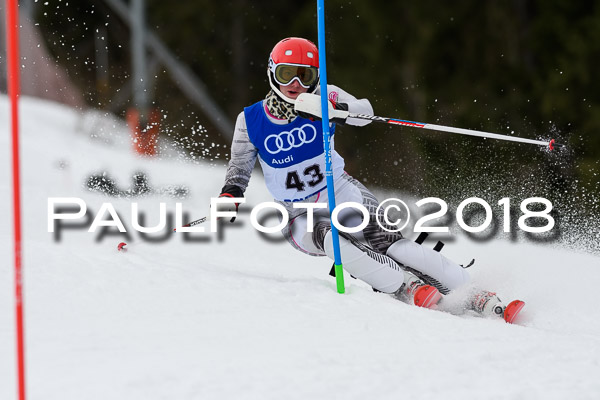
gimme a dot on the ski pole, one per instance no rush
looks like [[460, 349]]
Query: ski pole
[[394, 121], [193, 223], [198, 222]]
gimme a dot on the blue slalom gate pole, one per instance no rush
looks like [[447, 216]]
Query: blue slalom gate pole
[[339, 274]]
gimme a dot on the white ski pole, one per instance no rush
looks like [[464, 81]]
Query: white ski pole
[[550, 144]]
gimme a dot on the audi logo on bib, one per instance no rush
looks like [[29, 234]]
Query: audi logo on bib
[[285, 141]]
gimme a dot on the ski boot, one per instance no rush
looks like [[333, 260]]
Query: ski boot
[[488, 304], [415, 291]]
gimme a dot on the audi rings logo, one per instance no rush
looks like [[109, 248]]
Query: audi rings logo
[[285, 141]]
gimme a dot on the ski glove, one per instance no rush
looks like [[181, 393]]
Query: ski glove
[[231, 191], [308, 106]]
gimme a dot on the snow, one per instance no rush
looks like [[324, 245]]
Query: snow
[[238, 315]]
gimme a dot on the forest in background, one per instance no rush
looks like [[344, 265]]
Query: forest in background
[[523, 67]]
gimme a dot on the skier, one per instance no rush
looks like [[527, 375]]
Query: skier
[[288, 142]]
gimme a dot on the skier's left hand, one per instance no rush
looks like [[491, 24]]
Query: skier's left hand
[[308, 105]]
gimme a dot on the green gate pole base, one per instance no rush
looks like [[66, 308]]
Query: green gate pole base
[[339, 279]]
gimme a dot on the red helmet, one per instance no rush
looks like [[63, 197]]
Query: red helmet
[[294, 59]]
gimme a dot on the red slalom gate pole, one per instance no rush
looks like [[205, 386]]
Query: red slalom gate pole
[[12, 38]]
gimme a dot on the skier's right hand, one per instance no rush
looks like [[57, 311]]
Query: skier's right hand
[[231, 191]]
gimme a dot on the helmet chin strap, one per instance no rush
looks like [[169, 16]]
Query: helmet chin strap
[[280, 94], [284, 97]]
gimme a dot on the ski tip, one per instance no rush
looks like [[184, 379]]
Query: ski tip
[[551, 144], [512, 310], [121, 247], [427, 296]]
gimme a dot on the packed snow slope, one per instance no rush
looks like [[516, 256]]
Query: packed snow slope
[[240, 315]]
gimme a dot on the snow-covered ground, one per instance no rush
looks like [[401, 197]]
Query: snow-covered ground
[[240, 316]]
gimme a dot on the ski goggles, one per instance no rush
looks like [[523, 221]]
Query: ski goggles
[[286, 73]]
